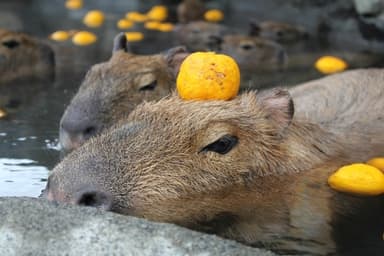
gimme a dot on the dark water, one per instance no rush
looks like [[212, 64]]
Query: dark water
[[28, 136]]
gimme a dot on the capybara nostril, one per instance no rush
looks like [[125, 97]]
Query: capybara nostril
[[94, 198]]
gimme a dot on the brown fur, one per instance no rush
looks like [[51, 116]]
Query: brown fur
[[24, 56], [200, 35], [270, 189], [112, 89], [190, 10], [254, 53], [278, 31]]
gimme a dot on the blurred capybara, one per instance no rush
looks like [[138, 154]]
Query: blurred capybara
[[280, 32], [343, 100], [244, 169], [190, 10], [200, 35], [254, 53], [112, 89], [24, 56]]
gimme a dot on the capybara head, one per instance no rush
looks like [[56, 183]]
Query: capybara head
[[168, 159], [23, 56], [200, 35], [280, 32], [254, 53], [112, 89], [190, 10]]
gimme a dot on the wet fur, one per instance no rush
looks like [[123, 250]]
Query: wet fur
[[269, 190], [27, 57]]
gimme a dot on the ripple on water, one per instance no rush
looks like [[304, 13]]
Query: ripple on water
[[21, 177]]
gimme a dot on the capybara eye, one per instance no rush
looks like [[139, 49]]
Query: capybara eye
[[149, 87], [11, 44], [279, 33], [247, 46], [222, 145]]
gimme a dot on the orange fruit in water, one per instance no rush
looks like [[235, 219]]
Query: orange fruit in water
[[60, 35], [74, 4], [94, 18], [158, 13], [124, 24], [330, 65], [377, 162], [134, 36], [359, 179], [213, 15], [84, 38], [207, 75]]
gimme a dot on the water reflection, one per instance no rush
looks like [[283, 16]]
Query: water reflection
[[21, 177]]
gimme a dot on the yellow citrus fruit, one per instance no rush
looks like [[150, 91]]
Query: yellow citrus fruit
[[134, 36], [60, 35], [158, 13], [94, 18], [152, 25], [213, 15], [84, 38], [136, 17], [207, 75], [124, 24], [3, 113], [360, 179], [74, 4], [165, 27], [330, 64], [377, 162]]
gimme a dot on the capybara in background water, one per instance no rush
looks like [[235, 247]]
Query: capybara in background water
[[280, 32], [254, 53], [245, 169], [23, 56], [112, 89], [190, 10], [200, 35]]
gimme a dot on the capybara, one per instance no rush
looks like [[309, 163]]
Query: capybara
[[190, 10], [24, 56], [112, 89], [254, 53], [200, 35], [245, 169], [280, 32]]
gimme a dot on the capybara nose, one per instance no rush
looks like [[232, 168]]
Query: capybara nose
[[74, 135], [94, 198]]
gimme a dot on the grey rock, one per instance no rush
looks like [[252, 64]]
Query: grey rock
[[369, 7], [29, 226]]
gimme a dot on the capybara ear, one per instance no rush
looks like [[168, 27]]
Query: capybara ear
[[120, 43], [174, 57], [254, 28], [279, 105]]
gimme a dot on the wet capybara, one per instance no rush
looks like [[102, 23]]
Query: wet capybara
[[112, 89], [335, 99], [245, 169], [200, 35], [190, 10], [280, 32], [24, 56], [254, 53]]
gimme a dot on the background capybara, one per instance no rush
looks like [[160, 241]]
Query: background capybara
[[23, 56], [112, 89], [244, 169]]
